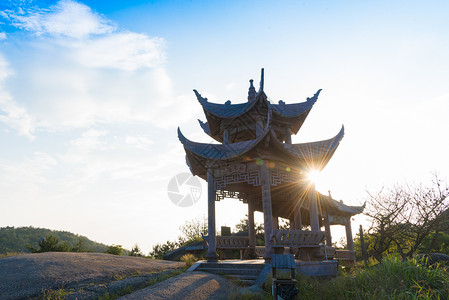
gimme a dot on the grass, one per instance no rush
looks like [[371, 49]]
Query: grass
[[131, 289], [58, 294], [7, 254], [391, 279], [189, 259]]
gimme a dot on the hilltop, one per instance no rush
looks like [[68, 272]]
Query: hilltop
[[17, 239]]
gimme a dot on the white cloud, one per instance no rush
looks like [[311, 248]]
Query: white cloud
[[141, 142], [126, 51], [66, 18], [89, 140], [83, 72], [11, 113], [2, 36]]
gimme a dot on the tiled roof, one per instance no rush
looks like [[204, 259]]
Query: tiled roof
[[314, 154], [317, 153], [229, 110]]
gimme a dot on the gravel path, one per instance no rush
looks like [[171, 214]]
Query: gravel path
[[190, 285], [28, 275]]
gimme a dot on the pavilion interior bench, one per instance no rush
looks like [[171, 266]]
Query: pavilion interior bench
[[232, 243], [306, 244]]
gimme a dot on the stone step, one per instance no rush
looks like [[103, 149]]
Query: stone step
[[243, 277], [233, 266], [229, 271], [245, 273]]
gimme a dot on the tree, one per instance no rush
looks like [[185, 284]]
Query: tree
[[192, 230], [159, 250], [135, 251], [404, 216], [50, 244], [80, 246], [115, 250], [243, 225]]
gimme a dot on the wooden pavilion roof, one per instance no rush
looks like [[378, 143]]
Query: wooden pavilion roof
[[225, 116], [305, 156]]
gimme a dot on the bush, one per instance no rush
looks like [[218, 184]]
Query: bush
[[189, 259], [390, 279], [49, 244], [115, 250], [136, 251]]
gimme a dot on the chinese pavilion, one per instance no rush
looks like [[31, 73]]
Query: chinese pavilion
[[256, 162]]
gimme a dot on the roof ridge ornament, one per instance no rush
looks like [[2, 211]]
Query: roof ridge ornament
[[261, 81], [198, 97], [251, 91], [315, 96]]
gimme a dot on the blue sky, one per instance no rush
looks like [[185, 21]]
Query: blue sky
[[91, 94]]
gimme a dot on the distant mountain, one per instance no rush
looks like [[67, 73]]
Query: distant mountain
[[17, 239]]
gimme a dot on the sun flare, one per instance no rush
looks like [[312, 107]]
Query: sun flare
[[313, 176]]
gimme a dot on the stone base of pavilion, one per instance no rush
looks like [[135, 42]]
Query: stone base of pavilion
[[256, 271]]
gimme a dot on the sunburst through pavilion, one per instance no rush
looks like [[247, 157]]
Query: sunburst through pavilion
[[256, 162]]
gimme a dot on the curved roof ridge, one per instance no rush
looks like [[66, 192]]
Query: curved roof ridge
[[323, 149], [229, 110], [220, 151], [295, 109], [226, 110]]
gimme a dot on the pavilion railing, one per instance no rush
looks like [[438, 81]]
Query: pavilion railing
[[232, 242], [297, 238], [347, 256], [260, 251]]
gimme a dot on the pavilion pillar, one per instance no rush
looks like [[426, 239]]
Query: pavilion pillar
[[225, 136], [327, 228], [349, 240], [275, 222], [313, 209], [297, 218], [212, 251], [292, 223], [267, 210], [251, 228], [288, 135]]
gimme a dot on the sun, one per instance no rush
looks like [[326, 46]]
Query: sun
[[313, 176]]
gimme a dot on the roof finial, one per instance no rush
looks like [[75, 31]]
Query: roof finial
[[261, 81], [251, 91]]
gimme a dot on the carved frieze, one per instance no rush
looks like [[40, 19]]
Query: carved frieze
[[250, 177], [220, 195], [278, 177], [235, 168]]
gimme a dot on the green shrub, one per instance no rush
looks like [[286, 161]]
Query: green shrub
[[50, 244], [136, 251], [115, 250], [189, 259], [391, 279]]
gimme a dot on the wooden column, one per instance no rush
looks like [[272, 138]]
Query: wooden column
[[313, 209], [288, 136], [275, 222], [251, 229], [212, 251], [349, 240], [327, 228], [225, 136], [267, 210], [297, 217], [292, 223]]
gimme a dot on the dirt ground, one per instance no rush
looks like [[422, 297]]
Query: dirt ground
[[29, 275], [194, 286]]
